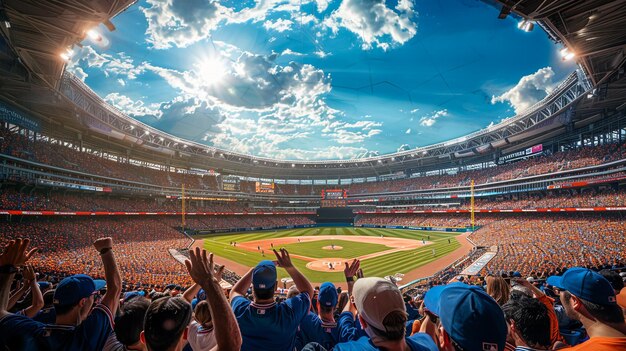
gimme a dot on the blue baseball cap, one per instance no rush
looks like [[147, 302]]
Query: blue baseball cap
[[264, 275], [585, 284], [74, 288], [328, 295], [44, 285], [201, 295], [469, 315], [516, 275]]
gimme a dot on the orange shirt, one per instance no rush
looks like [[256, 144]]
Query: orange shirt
[[600, 344]]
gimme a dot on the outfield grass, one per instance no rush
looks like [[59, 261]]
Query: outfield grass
[[350, 249], [397, 262]]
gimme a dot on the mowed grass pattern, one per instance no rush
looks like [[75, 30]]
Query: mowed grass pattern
[[350, 249], [397, 262]]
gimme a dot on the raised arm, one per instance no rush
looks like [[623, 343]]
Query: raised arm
[[283, 260], [204, 273], [111, 274], [18, 294], [15, 254], [37, 300], [190, 293], [241, 287], [350, 271]]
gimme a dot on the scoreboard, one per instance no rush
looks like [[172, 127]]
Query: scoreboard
[[264, 188], [334, 197], [230, 184]]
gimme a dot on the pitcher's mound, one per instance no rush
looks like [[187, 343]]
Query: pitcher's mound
[[336, 247], [325, 264]]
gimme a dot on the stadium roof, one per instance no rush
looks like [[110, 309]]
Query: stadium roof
[[594, 30]]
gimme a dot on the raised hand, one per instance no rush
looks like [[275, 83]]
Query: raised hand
[[16, 253], [202, 269], [103, 243], [283, 260], [29, 273], [352, 269]]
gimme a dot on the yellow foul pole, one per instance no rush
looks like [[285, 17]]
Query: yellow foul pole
[[472, 204], [183, 209]]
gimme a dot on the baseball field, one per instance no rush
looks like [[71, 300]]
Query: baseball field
[[320, 252]]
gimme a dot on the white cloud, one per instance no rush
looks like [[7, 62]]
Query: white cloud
[[322, 54], [430, 120], [78, 72], [288, 51], [184, 22], [269, 109], [404, 147], [121, 82], [374, 22], [130, 107], [181, 23], [112, 65], [415, 110], [280, 25], [529, 90], [408, 131], [322, 5]]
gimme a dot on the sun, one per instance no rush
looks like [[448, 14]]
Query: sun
[[211, 71]]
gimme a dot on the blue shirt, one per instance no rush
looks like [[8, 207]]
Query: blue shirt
[[91, 334], [349, 329], [272, 326], [416, 342], [313, 329]]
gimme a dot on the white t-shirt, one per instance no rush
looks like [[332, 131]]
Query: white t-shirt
[[200, 338]]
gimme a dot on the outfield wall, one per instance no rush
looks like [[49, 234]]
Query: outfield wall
[[434, 229]]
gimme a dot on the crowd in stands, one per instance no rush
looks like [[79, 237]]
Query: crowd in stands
[[544, 244], [66, 156], [413, 220], [11, 199], [575, 309]]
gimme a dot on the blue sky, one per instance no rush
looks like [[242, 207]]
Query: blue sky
[[318, 79]]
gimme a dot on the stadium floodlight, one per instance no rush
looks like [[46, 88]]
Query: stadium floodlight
[[146, 132], [567, 55], [94, 35], [7, 24], [526, 25], [67, 54], [592, 93]]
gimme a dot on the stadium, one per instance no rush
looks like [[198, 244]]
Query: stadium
[[307, 136]]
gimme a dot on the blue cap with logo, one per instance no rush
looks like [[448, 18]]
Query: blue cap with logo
[[74, 288], [264, 275], [469, 315], [201, 295], [585, 284], [328, 295]]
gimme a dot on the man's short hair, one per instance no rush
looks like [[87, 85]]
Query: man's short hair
[[606, 314], [614, 278], [532, 321], [129, 324], [264, 294], [166, 320]]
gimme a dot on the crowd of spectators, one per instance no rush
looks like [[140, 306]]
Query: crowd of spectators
[[577, 308], [69, 156], [543, 244]]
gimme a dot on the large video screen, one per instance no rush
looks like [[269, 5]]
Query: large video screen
[[230, 184], [264, 188], [334, 194]]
